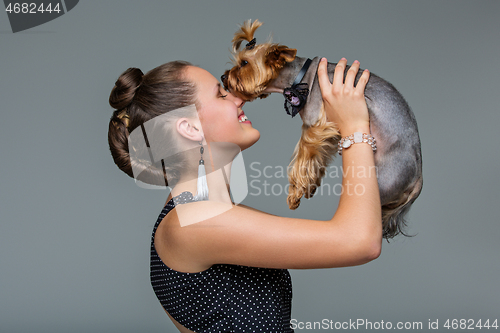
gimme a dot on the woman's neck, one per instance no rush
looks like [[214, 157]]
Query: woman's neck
[[218, 181], [218, 158]]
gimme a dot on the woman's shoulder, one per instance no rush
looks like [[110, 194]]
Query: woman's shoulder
[[182, 224], [192, 213], [188, 236], [182, 230]]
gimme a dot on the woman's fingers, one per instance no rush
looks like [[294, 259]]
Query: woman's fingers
[[351, 75], [344, 104], [324, 82], [360, 87], [338, 75], [340, 86]]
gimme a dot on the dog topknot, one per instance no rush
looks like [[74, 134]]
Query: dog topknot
[[245, 33]]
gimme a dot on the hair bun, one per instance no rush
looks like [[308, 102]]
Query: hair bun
[[125, 87]]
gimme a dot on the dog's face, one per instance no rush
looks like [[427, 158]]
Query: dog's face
[[255, 69], [255, 66]]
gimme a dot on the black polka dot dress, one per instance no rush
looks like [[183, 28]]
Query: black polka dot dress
[[223, 298]]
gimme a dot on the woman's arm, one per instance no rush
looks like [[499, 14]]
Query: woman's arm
[[255, 210], [344, 103], [238, 235]]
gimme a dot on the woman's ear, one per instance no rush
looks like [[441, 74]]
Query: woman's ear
[[190, 129]]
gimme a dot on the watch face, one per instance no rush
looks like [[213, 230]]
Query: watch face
[[358, 137], [347, 143]]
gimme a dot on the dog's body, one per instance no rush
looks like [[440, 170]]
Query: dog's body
[[392, 123]]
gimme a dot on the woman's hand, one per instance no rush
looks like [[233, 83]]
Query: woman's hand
[[343, 102]]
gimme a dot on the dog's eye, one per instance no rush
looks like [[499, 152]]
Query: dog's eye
[[243, 63]]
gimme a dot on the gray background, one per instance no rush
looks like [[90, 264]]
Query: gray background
[[75, 231]]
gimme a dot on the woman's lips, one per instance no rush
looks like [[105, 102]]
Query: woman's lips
[[242, 118]]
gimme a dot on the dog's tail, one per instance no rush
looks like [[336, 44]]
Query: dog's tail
[[393, 213], [246, 32]]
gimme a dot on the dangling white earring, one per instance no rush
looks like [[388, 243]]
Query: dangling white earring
[[202, 187]]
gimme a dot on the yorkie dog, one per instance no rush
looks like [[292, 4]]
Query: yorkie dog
[[261, 69]]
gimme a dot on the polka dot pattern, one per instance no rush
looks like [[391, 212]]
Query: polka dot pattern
[[223, 298]]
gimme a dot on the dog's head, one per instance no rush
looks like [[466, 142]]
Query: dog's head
[[255, 65]]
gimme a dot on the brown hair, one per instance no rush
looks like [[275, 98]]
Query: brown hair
[[138, 98]]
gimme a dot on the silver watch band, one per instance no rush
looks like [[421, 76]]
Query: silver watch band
[[356, 137]]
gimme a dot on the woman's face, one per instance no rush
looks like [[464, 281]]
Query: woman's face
[[221, 116]]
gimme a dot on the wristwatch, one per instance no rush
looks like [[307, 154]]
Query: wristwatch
[[356, 137]]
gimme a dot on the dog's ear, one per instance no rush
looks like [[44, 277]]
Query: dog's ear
[[245, 33], [278, 56]]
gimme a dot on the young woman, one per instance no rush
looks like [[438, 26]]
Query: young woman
[[220, 267]]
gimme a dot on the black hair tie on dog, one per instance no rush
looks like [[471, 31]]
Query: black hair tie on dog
[[250, 45], [296, 95], [295, 98]]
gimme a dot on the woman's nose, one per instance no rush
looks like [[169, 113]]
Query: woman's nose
[[238, 101]]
